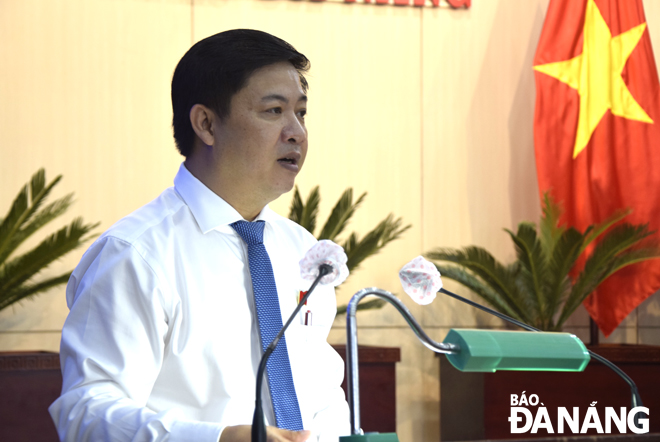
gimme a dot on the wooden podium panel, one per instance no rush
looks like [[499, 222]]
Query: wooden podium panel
[[476, 406], [31, 381], [377, 386]]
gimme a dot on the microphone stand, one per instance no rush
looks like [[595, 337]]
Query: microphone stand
[[352, 352], [352, 371], [636, 400], [258, 422]]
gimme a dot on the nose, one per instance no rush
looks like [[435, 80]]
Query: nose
[[294, 132]]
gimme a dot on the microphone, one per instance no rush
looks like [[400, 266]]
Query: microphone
[[467, 350], [324, 263], [421, 280]]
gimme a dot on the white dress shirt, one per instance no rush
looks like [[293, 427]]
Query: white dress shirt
[[161, 343]]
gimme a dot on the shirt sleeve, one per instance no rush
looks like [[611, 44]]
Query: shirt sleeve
[[112, 349]]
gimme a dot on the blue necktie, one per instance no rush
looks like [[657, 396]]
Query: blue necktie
[[269, 319]]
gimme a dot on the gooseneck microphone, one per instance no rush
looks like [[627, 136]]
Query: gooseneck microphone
[[330, 261], [421, 279], [636, 400]]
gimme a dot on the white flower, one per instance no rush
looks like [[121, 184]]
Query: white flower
[[325, 252], [421, 280]]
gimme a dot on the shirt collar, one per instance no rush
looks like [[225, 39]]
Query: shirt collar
[[209, 209]]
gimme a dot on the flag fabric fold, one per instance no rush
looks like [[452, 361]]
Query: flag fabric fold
[[597, 131]]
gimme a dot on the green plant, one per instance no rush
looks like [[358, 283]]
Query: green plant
[[541, 287], [22, 221], [357, 250]]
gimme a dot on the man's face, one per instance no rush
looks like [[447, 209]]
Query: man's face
[[262, 144]]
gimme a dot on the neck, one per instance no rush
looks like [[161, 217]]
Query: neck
[[240, 199]]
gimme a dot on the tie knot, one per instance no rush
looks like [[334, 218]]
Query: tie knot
[[252, 233]]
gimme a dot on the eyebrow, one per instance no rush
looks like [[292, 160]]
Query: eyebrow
[[282, 98]]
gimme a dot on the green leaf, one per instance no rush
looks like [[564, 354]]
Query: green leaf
[[21, 211], [500, 278], [43, 217], [16, 272], [310, 211], [630, 257], [538, 286], [564, 256], [305, 213], [12, 222], [26, 291], [500, 303], [297, 207], [601, 263], [26, 217], [385, 232], [340, 215], [597, 230], [533, 276], [357, 250], [366, 305], [550, 230]]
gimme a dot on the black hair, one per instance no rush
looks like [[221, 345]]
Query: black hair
[[217, 67]]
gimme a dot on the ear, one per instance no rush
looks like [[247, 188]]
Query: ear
[[202, 119]]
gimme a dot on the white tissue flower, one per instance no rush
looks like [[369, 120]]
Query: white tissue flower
[[421, 280], [325, 252]]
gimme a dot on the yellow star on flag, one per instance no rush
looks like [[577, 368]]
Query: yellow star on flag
[[596, 75]]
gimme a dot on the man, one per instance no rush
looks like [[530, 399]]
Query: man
[[163, 338]]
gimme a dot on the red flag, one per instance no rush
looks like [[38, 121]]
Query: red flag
[[597, 131]]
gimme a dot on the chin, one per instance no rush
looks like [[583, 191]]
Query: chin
[[280, 189]]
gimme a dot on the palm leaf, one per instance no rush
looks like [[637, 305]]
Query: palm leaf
[[479, 261], [25, 291], [311, 210], [43, 217], [304, 213], [565, 254], [386, 231], [297, 207], [533, 273], [597, 230], [340, 215], [25, 217], [601, 262], [23, 208], [549, 228], [12, 222], [357, 250], [367, 305], [15, 272], [502, 304], [539, 283], [630, 257]]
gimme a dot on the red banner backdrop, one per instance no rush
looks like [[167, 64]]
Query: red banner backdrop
[[597, 131]]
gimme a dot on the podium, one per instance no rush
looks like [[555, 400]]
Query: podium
[[475, 406], [29, 382]]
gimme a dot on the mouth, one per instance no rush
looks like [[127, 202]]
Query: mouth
[[290, 161]]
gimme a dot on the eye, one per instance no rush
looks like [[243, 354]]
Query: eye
[[302, 113], [274, 110]]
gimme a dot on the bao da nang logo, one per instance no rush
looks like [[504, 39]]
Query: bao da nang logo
[[529, 414]]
